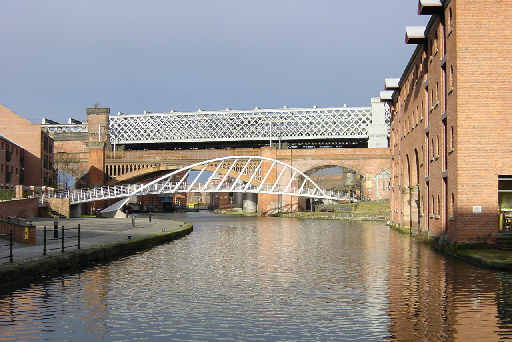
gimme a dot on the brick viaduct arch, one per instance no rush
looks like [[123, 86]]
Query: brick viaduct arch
[[368, 162]]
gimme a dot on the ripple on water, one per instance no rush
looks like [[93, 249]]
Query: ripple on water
[[264, 279]]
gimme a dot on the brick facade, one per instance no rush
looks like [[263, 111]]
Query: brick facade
[[38, 162], [12, 162], [450, 128], [19, 208]]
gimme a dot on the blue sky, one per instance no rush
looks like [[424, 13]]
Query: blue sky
[[60, 56]]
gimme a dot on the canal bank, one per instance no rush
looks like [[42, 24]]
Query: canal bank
[[477, 254], [102, 240], [374, 211]]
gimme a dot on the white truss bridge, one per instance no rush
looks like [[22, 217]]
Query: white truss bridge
[[246, 174], [234, 125]]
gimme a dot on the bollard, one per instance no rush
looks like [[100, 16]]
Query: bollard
[[133, 221], [79, 236], [149, 217], [11, 238], [55, 230], [62, 245], [44, 241]]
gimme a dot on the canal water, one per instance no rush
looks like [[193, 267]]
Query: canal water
[[269, 279]]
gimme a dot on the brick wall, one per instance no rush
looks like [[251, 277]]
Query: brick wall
[[22, 232], [465, 82], [19, 208], [32, 139], [484, 108]]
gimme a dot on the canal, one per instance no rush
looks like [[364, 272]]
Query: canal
[[269, 279]]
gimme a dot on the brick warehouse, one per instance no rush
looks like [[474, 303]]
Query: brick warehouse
[[451, 136]]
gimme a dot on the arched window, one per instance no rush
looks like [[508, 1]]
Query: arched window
[[438, 205], [432, 210], [434, 45]]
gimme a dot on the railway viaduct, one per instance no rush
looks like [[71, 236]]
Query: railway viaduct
[[110, 149]]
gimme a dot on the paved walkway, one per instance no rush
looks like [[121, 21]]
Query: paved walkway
[[94, 232]]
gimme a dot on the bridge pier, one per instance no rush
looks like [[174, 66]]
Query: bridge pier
[[238, 200], [75, 210], [250, 202]]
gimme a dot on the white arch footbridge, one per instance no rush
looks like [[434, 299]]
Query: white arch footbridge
[[246, 174]]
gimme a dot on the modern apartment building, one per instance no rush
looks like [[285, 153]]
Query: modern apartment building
[[37, 168], [451, 126]]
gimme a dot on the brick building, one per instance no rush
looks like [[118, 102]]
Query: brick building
[[12, 162], [451, 133], [37, 168]]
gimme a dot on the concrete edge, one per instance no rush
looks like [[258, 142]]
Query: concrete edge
[[17, 275], [457, 251], [323, 216]]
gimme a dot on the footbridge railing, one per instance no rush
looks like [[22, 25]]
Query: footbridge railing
[[247, 174]]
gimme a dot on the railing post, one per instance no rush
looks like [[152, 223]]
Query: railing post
[[44, 241], [62, 245], [78, 236], [149, 217], [55, 230], [11, 242]]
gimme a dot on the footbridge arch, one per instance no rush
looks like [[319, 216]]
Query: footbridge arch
[[247, 174]]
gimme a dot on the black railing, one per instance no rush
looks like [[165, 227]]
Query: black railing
[[72, 240], [8, 244]]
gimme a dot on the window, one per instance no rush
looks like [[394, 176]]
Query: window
[[452, 141], [437, 92], [437, 146], [435, 50], [438, 205], [432, 146], [452, 78], [432, 208], [450, 20], [452, 206]]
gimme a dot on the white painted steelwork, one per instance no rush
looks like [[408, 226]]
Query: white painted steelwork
[[234, 125], [236, 174]]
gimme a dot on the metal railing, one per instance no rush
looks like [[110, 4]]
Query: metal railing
[[7, 245], [73, 240]]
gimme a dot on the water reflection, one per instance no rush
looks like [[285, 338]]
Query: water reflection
[[432, 298], [269, 279]]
